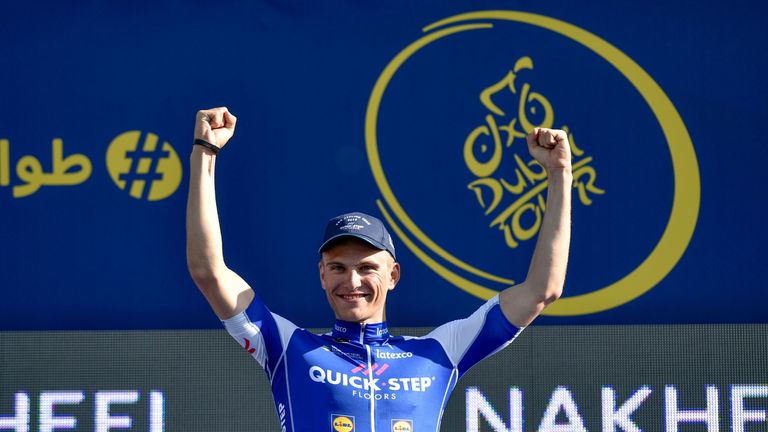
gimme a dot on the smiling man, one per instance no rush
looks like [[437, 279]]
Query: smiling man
[[357, 267], [359, 377]]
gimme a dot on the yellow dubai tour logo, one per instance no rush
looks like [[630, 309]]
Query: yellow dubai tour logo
[[143, 166], [527, 186], [513, 203]]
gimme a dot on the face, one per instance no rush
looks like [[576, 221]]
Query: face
[[356, 278]]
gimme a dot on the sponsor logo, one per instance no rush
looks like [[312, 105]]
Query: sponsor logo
[[340, 352], [140, 164], [107, 409], [71, 170], [366, 385], [377, 368], [282, 417], [248, 347], [343, 423], [392, 355], [402, 425], [496, 180], [515, 199], [339, 328], [351, 223]]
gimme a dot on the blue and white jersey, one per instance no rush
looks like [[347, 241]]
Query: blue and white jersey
[[360, 378]]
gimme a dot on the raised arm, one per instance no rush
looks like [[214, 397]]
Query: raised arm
[[546, 274], [226, 292]]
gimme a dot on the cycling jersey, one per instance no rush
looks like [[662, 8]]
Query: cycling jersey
[[358, 377]]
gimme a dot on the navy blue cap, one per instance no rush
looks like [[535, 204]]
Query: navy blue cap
[[362, 226]]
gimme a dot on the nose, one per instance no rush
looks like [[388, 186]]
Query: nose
[[354, 279]]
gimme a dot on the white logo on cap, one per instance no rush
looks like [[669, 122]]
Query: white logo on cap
[[350, 220]]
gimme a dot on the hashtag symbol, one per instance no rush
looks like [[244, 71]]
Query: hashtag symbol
[[142, 172]]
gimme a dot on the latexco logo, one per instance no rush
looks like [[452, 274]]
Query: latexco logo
[[143, 166], [379, 354], [498, 181]]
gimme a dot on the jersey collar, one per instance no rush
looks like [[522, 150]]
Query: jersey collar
[[362, 333]]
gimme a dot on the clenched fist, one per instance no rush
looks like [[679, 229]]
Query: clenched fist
[[216, 125], [550, 147]]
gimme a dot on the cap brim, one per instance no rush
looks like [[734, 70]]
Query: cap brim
[[367, 239]]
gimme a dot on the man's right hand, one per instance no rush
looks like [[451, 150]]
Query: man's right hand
[[216, 125]]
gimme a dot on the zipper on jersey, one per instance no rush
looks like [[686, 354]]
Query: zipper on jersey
[[362, 337], [370, 380]]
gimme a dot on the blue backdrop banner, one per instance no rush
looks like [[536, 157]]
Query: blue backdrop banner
[[415, 112]]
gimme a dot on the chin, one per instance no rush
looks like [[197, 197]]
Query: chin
[[352, 317], [352, 313]]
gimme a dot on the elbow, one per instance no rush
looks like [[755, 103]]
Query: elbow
[[199, 273], [551, 294], [546, 287], [552, 298], [205, 276]]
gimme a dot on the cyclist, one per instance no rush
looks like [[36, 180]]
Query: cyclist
[[359, 377]]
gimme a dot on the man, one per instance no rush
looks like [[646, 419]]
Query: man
[[359, 377]]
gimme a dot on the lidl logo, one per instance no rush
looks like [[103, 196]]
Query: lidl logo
[[143, 166], [509, 72], [342, 423], [402, 425]]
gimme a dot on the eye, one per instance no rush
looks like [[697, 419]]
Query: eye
[[336, 268]]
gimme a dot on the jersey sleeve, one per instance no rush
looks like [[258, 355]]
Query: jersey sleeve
[[468, 341], [263, 334]]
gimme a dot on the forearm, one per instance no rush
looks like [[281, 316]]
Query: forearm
[[522, 303], [546, 273], [204, 246]]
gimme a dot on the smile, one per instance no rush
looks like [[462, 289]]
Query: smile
[[352, 296]]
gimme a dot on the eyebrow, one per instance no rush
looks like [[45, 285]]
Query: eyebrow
[[361, 263]]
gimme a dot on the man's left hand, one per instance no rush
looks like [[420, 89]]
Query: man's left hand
[[550, 147]]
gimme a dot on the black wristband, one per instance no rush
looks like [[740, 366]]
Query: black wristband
[[206, 144]]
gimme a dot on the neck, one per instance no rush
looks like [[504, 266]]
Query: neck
[[366, 332]]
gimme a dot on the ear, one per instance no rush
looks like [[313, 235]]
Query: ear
[[321, 270], [394, 275]]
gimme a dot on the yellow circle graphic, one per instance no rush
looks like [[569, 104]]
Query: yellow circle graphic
[[143, 167], [343, 424], [402, 426], [687, 191]]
